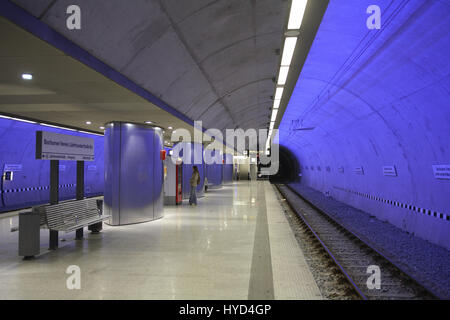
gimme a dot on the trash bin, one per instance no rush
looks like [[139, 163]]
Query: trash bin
[[29, 234]]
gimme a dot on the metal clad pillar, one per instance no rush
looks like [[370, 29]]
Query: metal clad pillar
[[228, 168], [134, 173]]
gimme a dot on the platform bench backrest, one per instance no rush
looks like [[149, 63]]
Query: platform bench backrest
[[68, 215]]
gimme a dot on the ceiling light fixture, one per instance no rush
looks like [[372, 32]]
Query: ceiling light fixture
[[276, 104], [282, 76], [274, 115], [88, 122], [170, 128], [27, 76], [279, 93], [58, 127], [96, 134], [297, 12], [288, 50], [17, 119], [298, 8], [22, 120], [148, 122]]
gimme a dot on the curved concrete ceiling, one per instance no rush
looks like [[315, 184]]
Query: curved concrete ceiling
[[64, 91], [209, 59], [377, 98]]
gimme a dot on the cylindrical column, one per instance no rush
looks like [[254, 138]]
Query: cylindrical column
[[214, 171], [228, 168], [134, 174]]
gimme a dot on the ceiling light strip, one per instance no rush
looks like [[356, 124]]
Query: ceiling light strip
[[296, 15], [48, 125]]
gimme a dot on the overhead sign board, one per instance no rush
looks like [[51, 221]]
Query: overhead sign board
[[390, 171], [359, 170], [56, 146], [442, 171]]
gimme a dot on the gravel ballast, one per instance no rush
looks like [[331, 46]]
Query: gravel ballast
[[428, 262]]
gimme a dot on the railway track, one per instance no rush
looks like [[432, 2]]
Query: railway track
[[354, 257]]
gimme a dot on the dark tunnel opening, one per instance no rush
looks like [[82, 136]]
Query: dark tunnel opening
[[289, 169]]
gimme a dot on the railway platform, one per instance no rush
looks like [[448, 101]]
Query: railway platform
[[236, 244]]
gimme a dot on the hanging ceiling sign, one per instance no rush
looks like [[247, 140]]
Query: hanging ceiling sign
[[442, 171], [390, 171], [56, 146]]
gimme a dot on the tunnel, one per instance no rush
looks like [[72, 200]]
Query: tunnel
[[289, 169]]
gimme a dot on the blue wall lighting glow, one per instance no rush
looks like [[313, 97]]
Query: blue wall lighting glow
[[377, 99], [31, 178]]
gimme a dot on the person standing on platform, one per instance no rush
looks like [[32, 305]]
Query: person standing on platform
[[195, 180]]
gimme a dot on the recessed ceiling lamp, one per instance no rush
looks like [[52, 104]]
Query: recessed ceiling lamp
[[298, 8], [148, 122], [88, 122], [170, 128], [102, 128], [27, 76]]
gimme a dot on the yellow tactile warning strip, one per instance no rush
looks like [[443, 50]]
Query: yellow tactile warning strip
[[292, 278]]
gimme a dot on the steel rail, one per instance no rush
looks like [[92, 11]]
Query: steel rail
[[376, 253]]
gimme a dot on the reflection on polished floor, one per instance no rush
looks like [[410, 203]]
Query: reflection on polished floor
[[236, 244]]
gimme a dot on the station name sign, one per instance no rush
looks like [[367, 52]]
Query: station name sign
[[56, 146], [442, 171], [390, 171]]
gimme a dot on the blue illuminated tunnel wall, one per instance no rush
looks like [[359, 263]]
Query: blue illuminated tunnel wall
[[378, 98], [31, 178]]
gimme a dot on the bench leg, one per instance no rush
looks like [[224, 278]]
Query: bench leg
[[96, 228], [79, 234], [53, 240]]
